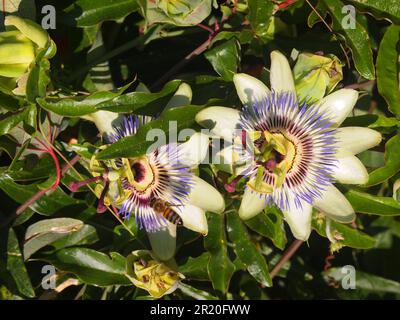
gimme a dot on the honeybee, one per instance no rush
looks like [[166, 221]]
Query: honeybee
[[165, 209]]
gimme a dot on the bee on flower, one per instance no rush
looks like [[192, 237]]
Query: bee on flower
[[158, 189]]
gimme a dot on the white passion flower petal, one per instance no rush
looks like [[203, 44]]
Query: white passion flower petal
[[222, 121], [252, 204], [206, 197], [335, 205], [338, 105], [163, 242], [350, 170], [354, 140], [193, 218], [194, 151], [104, 121], [249, 89], [281, 77], [182, 97], [298, 218]]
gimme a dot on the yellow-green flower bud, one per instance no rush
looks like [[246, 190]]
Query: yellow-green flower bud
[[316, 75], [19, 46], [155, 277], [177, 12]]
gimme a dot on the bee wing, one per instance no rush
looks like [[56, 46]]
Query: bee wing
[[175, 205]]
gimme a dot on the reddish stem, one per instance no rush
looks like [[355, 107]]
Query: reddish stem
[[286, 4], [286, 257], [101, 207], [231, 186], [204, 27], [196, 52], [328, 262], [234, 8], [58, 169], [41, 193], [74, 186]]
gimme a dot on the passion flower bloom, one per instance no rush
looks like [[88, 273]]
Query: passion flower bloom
[[164, 176], [290, 152]]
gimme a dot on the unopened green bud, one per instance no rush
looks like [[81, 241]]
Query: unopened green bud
[[19, 46], [29, 29], [316, 75], [177, 12]]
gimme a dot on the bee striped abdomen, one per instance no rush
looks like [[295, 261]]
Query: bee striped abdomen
[[172, 216]]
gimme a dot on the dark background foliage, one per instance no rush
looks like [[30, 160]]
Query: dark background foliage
[[155, 57]]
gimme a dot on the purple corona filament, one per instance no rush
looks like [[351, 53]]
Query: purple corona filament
[[312, 136], [171, 180]]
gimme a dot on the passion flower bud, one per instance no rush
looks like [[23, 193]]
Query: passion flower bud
[[147, 273], [177, 12], [19, 46], [316, 75]]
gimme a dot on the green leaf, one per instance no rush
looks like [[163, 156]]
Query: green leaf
[[260, 12], [244, 36], [351, 237], [225, 58], [90, 266], [372, 159], [196, 268], [392, 163], [45, 232], [313, 17], [47, 205], [10, 103], [269, 223], [32, 170], [23, 217], [144, 103], [84, 236], [11, 120], [138, 144], [357, 39], [247, 251], [365, 282], [77, 106], [220, 267], [195, 293], [387, 68], [373, 121], [89, 12], [16, 266], [389, 9], [366, 203], [38, 77]]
